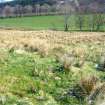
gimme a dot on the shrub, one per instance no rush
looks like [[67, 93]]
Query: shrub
[[83, 88], [88, 84], [97, 96]]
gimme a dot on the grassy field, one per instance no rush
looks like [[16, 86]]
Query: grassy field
[[35, 22], [48, 22], [50, 68]]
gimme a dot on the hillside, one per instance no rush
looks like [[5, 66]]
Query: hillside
[[50, 67]]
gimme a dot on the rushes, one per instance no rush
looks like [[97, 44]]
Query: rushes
[[34, 68], [69, 59], [88, 84], [66, 60], [83, 88], [38, 45], [97, 96], [90, 89]]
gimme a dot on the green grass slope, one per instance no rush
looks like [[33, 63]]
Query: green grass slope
[[49, 22], [27, 79]]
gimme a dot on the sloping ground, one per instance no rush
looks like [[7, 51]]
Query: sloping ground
[[31, 75]]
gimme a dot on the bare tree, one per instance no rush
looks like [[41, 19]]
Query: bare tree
[[45, 8], [92, 22], [8, 11], [67, 10], [97, 18], [99, 21], [37, 9], [92, 8], [81, 22], [19, 10], [28, 9], [79, 15], [54, 9], [1, 12]]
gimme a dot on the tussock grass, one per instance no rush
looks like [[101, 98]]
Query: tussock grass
[[33, 65]]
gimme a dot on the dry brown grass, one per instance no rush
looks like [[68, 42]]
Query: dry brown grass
[[43, 41], [54, 37], [97, 96], [88, 84]]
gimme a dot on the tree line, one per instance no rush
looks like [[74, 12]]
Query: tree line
[[45, 7], [27, 10]]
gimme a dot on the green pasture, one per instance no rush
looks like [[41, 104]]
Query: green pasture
[[49, 22]]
